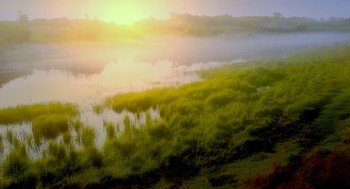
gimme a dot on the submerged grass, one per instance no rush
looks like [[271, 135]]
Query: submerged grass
[[243, 122]]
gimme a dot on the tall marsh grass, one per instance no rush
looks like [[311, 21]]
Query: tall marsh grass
[[239, 115], [50, 126], [26, 113]]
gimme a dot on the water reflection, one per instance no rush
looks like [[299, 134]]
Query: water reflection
[[122, 76], [85, 90], [92, 58]]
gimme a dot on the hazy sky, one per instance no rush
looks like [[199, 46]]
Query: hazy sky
[[127, 11]]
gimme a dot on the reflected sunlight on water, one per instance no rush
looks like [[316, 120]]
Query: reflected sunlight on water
[[87, 90], [119, 77]]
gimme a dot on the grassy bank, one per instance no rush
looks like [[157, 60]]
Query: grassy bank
[[257, 124]]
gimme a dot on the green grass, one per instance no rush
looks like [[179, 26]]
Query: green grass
[[16, 163], [1, 144], [261, 101], [242, 121], [27, 113], [87, 136], [50, 126]]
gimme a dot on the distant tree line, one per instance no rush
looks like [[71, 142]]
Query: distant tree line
[[65, 29], [12, 32], [188, 24]]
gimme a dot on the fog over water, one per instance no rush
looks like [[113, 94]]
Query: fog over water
[[49, 72]]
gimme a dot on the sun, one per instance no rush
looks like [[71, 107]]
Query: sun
[[127, 12]]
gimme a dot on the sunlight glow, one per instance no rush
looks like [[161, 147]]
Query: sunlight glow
[[126, 12]]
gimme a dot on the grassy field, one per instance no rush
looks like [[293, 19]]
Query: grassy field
[[275, 122]]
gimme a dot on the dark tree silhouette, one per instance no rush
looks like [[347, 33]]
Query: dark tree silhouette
[[22, 18]]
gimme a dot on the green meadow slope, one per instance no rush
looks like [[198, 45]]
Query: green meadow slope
[[276, 122]]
